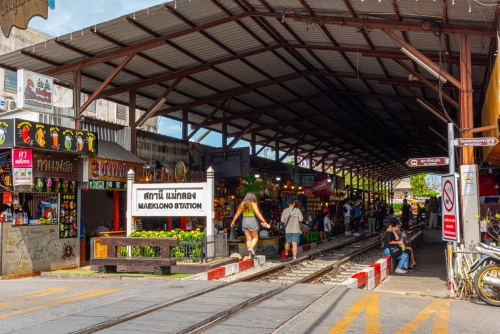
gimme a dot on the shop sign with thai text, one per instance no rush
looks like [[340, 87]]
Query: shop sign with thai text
[[56, 165], [54, 138], [35, 92], [112, 170], [169, 200], [22, 157]]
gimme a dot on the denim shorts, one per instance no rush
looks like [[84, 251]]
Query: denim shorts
[[292, 237]]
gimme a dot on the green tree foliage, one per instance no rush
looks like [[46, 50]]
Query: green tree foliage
[[419, 186], [250, 184]]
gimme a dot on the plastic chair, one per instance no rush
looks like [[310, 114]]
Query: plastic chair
[[314, 237]]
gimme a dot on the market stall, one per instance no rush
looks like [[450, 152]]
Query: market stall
[[40, 179]]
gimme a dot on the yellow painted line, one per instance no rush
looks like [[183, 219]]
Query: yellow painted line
[[89, 294], [33, 300], [441, 310], [368, 301], [43, 292]]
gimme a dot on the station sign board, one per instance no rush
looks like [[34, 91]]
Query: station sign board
[[485, 141], [427, 162], [449, 202]]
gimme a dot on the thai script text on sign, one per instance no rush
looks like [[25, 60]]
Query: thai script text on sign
[[169, 199]]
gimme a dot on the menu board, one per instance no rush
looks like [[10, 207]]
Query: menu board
[[67, 213], [54, 138]]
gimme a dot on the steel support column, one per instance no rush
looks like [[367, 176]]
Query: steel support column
[[253, 145], [277, 150], [295, 156], [77, 81], [466, 98], [185, 117], [131, 120], [224, 132]]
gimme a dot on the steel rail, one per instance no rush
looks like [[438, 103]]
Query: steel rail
[[151, 309], [227, 314]]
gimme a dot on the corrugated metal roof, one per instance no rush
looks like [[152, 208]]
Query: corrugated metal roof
[[353, 95], [114, 151]]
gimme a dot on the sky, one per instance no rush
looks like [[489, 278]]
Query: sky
[[74, 15]]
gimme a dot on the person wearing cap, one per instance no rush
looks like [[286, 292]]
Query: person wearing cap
[[291, 217], [327, 223]]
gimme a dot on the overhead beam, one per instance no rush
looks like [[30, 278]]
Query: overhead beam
[[106, 82], [231, 93], [158, 103], [311, 19], [422, 58], [428, 84], [205, 121]]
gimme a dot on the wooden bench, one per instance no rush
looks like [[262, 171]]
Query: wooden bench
[[414, 240], [160, 265]]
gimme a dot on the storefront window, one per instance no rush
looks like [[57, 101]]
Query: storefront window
[[10, 81]]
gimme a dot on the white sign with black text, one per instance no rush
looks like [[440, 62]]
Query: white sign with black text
[[168, 199], [35, 92]]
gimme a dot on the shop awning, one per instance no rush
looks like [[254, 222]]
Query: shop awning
[[113, 151]]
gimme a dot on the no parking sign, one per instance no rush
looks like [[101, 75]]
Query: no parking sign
[[449, 202]]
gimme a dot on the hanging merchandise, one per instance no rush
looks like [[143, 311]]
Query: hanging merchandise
[[7, 198]]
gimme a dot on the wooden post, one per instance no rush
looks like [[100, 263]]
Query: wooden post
[[131, 121]]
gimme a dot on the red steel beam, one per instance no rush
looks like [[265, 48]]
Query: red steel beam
[[232, 93], [427, 83], [110, 78], [313, 19], [422, 58], [158, 103]]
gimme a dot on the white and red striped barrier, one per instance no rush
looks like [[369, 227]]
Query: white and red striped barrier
[[371, 276], [229, 269], [306, 247]]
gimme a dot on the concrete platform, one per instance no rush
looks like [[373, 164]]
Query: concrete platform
[[196, 268], [431, 278], [65, 306]]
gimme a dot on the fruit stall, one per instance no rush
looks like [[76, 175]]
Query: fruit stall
[[40, 177]]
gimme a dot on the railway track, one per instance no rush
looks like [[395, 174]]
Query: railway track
[[329, 266]]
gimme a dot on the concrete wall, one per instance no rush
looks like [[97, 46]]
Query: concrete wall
[[28, 249]]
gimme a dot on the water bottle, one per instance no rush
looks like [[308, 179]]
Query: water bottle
[[25, 219]]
